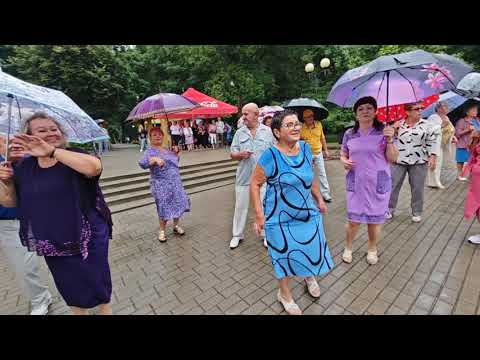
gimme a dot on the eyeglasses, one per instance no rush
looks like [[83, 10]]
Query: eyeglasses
[[416, 109], [293, 125]]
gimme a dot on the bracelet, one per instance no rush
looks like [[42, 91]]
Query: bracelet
[[390, 142], [52, 154]]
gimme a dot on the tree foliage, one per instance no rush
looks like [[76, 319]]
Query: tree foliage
[[107, 80]]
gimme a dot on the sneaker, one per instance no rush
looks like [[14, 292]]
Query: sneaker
[[388, 215], [327, 199], [265, 243], [41, 309], [475, 239], [372, 257], [461, 178], [416, 219], [235, 242], [347, 256]]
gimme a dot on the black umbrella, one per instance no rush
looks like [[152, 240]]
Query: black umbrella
[[460, 111], [301, 104]]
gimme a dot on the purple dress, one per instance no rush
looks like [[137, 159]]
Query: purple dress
[[369, 182], [64, 217], [166, 185]]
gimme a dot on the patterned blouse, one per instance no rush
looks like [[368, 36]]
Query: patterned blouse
[[415, 144]]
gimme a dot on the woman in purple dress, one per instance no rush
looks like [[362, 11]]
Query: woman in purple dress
[[63, 215], [166, 185], [366, 151]]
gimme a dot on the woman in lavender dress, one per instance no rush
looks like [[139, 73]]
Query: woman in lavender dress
[[366, 152], [166, 185], [63, 215]]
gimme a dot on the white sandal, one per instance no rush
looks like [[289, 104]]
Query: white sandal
[[177, 229], [347, 256], [312, 286], [290, 307], [372, 257], [161, 236]]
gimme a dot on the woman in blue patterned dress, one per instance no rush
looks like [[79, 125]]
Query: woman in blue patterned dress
[[165, 182], [292, 210]]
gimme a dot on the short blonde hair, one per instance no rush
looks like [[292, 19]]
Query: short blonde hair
[[41, 115]]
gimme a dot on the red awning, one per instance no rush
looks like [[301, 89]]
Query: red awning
[[210, 107]]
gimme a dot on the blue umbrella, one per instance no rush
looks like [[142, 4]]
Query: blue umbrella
[[20, 99], [452, 99]]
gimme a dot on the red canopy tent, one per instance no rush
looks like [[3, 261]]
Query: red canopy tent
[[210, 107]]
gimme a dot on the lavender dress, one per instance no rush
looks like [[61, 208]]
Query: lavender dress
[[166, 185], [369, 182]]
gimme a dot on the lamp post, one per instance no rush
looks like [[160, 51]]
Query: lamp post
[[310, 71]]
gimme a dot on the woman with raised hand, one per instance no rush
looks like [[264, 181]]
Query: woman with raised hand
[[63, 215]]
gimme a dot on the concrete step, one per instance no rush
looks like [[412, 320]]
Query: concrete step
[[120, 207], [144, 183], [184, 167], [144, 191], [144, 176]]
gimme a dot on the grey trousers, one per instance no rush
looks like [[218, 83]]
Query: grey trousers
[[416, 177], [23, 262]]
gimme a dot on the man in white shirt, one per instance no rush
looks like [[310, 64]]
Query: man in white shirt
[[249, 143]]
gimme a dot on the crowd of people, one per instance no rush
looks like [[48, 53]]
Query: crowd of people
[[281, 173], [189, 135]]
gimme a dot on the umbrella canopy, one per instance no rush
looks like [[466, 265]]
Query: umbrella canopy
[[270, 110], [163, 103], [452, 99], [399, 79], [397, 112], [301, 104], [209, 107], [460, 111], [26, 99], [469, 86]]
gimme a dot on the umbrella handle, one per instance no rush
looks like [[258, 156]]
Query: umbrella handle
[[7, 141]]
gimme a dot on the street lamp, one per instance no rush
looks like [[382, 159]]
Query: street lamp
[[310, 71]]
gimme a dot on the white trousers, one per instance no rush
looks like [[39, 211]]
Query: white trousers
[[213, 139], [242, 203], [23, 262], [319, 168]]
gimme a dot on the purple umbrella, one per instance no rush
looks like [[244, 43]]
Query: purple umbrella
[[163, 103], [399, 79]]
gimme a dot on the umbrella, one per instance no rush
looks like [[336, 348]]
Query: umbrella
[[28, 98], [451, 98], [301, 104], [270, 110], [459, 112], [399, 79], [163, 103], [397, 112], [469, 86]]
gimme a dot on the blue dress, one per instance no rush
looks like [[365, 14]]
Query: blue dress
[[293, 223]]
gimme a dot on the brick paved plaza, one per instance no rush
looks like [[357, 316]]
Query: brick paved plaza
[[425, 268]]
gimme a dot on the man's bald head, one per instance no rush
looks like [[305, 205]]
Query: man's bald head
[[250, 115]]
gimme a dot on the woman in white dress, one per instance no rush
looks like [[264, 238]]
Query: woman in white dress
[[444, 129]]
